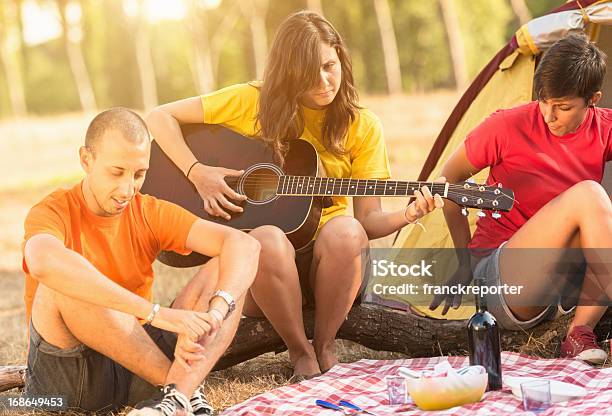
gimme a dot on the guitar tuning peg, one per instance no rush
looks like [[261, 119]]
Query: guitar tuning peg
[[464, 211], [481, 214], [496, 215]]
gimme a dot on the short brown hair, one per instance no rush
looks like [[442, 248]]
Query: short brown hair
[[571, 67], [123, 120]]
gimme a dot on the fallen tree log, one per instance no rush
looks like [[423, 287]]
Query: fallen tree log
[[12, 376], [375, 327]]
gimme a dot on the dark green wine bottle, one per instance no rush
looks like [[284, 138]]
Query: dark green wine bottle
[[484, 341]]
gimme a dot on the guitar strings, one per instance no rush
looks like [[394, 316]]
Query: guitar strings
[[381, 182], [251, 183]]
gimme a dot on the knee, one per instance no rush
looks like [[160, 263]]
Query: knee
[[591, 195], [343, 235], [275, 247]]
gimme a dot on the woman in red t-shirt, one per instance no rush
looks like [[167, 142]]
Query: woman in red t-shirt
[[552, 153]]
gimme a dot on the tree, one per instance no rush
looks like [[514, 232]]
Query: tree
[[455, 42], [521, 11], [10, 52], [315, 6], [144, 60], [202, 65], [255, 12], [72, 36], [389, 46]]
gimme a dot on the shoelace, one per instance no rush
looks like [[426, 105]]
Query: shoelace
[[585, 337], [199, 404], [172, 398]]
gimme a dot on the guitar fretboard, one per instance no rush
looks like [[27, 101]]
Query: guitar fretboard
[[318, 186]]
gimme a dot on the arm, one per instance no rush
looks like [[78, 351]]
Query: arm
[[164, 124], [378, 223], [70, 274], [458, 168], [238, 255]]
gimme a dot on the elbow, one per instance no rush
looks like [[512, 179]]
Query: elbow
[[37, 263], [152, 116]]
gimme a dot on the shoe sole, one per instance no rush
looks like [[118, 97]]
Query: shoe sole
[[593, 356]]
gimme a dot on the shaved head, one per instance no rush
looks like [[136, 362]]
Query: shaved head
[[123, 121]]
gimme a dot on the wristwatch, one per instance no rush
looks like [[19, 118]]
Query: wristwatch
[[229, 299]]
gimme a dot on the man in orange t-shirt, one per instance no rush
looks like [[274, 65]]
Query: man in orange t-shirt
[[87, 255]]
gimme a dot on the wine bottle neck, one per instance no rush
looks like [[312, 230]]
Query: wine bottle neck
[[481, 301]]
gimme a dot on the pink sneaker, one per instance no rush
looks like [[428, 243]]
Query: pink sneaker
[[581, 344]]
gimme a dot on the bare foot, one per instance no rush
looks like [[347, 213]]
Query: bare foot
[[326, 356], [304, 363]]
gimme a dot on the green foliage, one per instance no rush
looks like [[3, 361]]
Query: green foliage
[[171, 56], [483, 27], [109, 49], [422, 44], [49, 85], [541, 7]]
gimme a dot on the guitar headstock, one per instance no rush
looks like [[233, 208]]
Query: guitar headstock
[[472, 195]]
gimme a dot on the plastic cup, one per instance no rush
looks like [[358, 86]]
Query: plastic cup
[[536, 395], [396, 389]]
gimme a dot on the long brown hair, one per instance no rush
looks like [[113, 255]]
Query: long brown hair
[[292, 69]]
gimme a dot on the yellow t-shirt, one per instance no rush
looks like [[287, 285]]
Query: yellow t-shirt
[[235, 107]]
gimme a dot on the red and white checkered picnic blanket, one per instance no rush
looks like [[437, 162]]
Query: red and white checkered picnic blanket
[[363, 383]]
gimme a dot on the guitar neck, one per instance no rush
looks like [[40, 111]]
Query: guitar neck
[[290, 185]]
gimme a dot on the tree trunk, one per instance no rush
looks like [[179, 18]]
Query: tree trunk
[[375, 327], [144, 60], [202, 59], [389, 46], [218, 39], [255, 11], [455, 42], [521, 11], [10, 46], [315, 6], [72, 37]]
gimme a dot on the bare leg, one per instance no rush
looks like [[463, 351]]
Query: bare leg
[[196, 296], [336, 277], [276, 294], [586, 314], [591, 225], [66, 322]]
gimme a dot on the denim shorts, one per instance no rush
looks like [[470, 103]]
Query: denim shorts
[[488, 267], [87, 380]]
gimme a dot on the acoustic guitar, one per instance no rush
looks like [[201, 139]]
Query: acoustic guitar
[[291, 197]]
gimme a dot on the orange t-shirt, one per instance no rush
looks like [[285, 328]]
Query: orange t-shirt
[[123, 247]]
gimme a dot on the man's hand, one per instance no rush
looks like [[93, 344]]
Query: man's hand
[[214, 191], [188, 350], [191, 324]]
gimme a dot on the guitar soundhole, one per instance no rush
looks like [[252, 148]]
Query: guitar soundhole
[[260, 185]]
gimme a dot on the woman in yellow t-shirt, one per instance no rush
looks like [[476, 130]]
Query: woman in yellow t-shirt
[[308, 93]]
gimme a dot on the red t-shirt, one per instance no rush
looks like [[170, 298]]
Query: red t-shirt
[[526, 157]]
